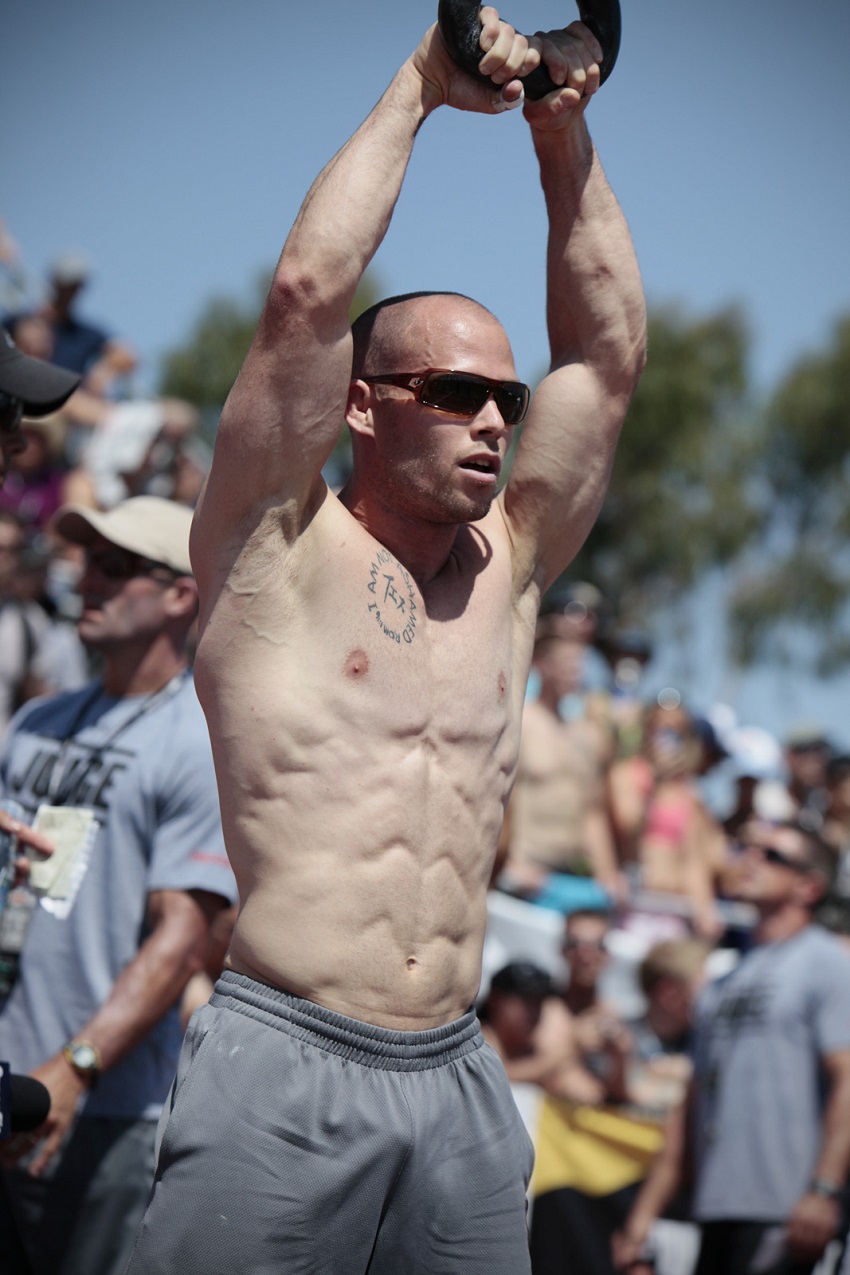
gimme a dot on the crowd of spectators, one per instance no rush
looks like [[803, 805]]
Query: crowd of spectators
[[697, 1122], [611, 825]]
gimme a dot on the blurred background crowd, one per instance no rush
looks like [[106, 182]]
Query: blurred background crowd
[[624, 880]]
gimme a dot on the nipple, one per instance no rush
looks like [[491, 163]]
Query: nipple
[[357, 664]]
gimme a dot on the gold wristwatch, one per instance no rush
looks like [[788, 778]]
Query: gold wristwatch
[[85, 1059]]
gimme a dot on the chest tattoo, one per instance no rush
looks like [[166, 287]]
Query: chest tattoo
[[392, 602]]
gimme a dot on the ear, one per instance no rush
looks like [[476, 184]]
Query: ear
[[812, 889], [181, 599], [358, 409]]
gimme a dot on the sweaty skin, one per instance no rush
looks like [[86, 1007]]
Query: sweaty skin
[[363, 657]]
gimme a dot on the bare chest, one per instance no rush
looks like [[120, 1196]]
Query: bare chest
[[344, 634]]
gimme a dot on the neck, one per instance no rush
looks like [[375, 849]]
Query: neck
[[423, 548], [783, 923], [549, 699], [141, 672], [667, 1026], [578, 999]]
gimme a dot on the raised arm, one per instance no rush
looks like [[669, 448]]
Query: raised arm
[[597, 329], [286, 409]]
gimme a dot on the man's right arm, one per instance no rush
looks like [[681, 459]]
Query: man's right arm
[[286, 409]]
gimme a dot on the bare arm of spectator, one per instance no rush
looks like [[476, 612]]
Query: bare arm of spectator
[[599, 843], [816, 1216], [699, 873], [153, 981], [659, 1186]]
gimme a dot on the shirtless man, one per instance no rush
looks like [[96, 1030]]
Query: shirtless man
[[362, 665], [558, 814]]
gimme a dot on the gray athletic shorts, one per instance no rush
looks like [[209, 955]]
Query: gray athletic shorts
[[300, 1142]]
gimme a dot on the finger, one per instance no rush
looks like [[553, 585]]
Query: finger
[[505, 56], [583, 33], [43, 1156], [24, 834], [511, 96], [490, 24]]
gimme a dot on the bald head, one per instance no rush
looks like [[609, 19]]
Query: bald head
[[390, 333]]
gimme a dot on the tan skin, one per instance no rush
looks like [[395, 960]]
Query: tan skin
[[139, 626], [558, 809], [365, 763]]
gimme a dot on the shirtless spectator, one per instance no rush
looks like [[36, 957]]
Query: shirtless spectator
[[662, 827], [596, 1147], [362, 664], [558, 814]]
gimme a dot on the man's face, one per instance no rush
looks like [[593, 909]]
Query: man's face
[[427, 464], [807, 765], [514, 1019], [123, 600], [775, 865], [584, 949], [561, 664]]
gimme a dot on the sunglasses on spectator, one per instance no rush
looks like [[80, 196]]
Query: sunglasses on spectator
[[588, 945], [11, 412], [771, 855], [460, 393], [121, 565]]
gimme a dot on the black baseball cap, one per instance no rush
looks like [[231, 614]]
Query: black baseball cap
[[522, 978], [43, 387]]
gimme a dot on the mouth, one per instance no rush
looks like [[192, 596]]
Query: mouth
[[485, 466]]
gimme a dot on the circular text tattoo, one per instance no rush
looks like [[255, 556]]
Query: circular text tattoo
[[393, 601]]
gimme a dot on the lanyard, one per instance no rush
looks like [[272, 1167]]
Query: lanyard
[[97, 751]]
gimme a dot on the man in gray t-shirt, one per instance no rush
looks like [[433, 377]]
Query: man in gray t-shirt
[[770, 1096], [111, 940]]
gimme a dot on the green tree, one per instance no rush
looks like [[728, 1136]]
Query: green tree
[[680, 500], [203, 370], [800, 575]]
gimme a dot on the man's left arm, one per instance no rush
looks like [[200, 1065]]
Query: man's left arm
[[816, 1217], [597, 333], [179, 923]]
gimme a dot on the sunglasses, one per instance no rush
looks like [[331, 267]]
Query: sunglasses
[[11, 412], [460, 393], [120, 564], [771, 855]]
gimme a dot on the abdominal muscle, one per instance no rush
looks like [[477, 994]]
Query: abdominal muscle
[[370, 900], [362, 791]]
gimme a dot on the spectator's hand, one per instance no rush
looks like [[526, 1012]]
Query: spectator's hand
[[505, 56], [25, 837], [41, 1145], [813, 1223], [575, 1084], [572, 58], [627, 1252]]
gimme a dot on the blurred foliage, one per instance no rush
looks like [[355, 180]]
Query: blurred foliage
[[801, 572], [680, 500], [203, 370]]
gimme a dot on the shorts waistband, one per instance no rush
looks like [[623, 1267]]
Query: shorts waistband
[[348, 1038]]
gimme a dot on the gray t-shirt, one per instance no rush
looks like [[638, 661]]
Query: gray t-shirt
[[761, 1034], [144, 766]]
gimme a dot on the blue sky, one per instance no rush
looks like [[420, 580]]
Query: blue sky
[[173, 142]]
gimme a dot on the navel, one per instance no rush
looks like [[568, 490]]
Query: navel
[[503, 685]]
